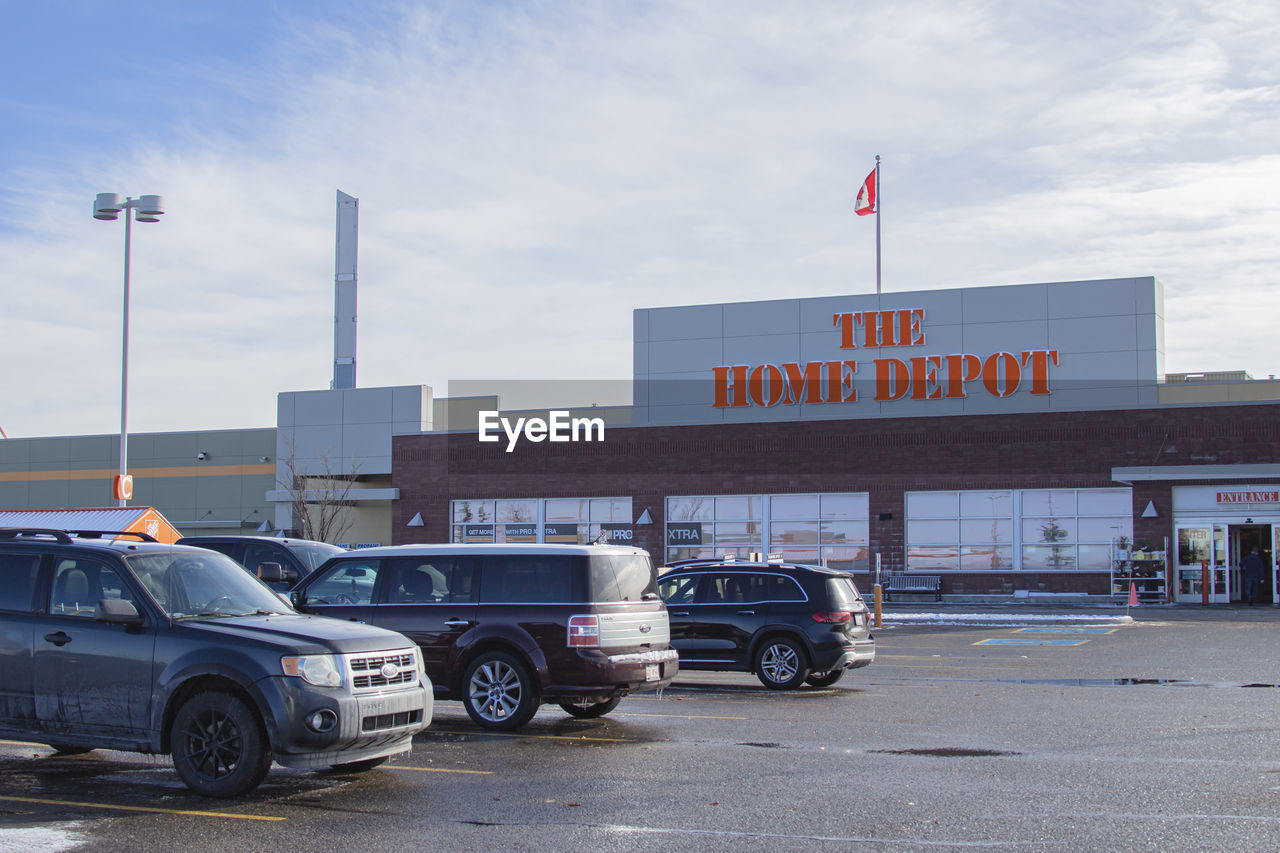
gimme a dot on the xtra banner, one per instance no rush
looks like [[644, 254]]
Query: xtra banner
[[684, 533]]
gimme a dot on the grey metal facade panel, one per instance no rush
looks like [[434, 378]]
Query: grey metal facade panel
[[775, 317], [640, 324], [1106, 298], [695, 321], [1014, 303], [1099, 332]]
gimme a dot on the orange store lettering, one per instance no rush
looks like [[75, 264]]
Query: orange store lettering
[[929, 377]]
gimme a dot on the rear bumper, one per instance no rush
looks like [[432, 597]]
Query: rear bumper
[[852, 655], [600, 675]]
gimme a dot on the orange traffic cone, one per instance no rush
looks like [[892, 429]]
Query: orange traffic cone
[[1133, 595]]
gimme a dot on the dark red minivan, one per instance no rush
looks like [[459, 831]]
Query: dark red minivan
[[506, 628]]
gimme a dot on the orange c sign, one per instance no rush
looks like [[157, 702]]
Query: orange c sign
[[123, 487]]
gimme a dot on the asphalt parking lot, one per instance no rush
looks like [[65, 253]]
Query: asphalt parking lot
[[989, 732]]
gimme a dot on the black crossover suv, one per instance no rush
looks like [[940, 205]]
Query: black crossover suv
[[787, 623]]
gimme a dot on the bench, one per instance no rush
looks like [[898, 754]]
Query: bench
[[903, 583]]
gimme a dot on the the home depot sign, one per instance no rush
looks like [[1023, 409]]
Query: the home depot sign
[[925, 377]]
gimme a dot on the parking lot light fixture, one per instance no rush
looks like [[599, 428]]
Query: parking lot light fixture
[[147, 208]]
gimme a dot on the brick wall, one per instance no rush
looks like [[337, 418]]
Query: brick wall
[[884, 457]]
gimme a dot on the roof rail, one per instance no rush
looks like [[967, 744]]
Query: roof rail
[[98, 534], [64, 537], [727, 560], [33, 532]]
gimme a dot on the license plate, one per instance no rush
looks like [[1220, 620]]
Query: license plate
[[651, 672]]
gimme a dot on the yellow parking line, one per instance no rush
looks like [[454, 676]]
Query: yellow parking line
[[43, 802], [683, 716], [532, 737], [437, 770]]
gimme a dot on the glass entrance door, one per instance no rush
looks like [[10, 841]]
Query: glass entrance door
[[1272, 563], [1219, 568], [1201, 551]]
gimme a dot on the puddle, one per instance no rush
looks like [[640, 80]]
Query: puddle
[[1101, 682], [1126, 682], [946, 752]]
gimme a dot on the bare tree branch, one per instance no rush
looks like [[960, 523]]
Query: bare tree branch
[[319, 503]]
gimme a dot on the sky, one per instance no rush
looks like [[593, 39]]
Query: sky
[[531, 172]]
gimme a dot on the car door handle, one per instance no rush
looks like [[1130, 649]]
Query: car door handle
[[61, 638], [747, 612], [679, 612], [456, 623]]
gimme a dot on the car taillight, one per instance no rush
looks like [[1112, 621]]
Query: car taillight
[[838, 616], [584, 632]]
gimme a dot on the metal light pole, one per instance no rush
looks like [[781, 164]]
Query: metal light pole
[[147, 208]]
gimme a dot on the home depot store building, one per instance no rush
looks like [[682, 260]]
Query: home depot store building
[[1011, 440]]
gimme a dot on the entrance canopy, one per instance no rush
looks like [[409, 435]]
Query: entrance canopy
[[125, 519]]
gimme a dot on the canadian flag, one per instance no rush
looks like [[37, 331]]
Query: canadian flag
[[866, 202]]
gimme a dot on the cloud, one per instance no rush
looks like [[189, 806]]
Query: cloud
[[529, 174]]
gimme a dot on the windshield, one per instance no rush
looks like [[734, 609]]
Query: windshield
[[203, 583], [312, 554], [622, 577]]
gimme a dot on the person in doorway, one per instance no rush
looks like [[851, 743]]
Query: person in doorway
[[1252, 566]]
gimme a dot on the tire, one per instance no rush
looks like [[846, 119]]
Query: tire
[[587, 710], [362, 766], [781, 664], [824, 679], [218, 745], [498, 692], [68, 749]]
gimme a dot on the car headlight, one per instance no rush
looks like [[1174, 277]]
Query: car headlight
[[320, 670]]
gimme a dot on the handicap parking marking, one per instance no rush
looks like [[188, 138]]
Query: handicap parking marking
[[1066, 630], [1027, 641]]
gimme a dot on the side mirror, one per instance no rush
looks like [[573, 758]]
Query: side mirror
[[117, 611], [271, 572], [297, 599]]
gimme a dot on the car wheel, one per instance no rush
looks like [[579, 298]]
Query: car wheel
[[587, 710], [498, 692], [68, 749], [359, 766], [781, 664], [824, 679], [218, 745]]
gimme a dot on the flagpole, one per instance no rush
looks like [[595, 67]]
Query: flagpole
[[879, 201]]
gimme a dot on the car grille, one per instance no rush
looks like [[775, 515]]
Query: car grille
[[382, 722], [367, 672]]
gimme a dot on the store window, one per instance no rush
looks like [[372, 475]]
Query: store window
[[818, 529], [568, 520], [1003, 530]]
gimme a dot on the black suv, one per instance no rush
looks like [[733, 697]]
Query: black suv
[[787, 623], [297, 557], [113, 640]]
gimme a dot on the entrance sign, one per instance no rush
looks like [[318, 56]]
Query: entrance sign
[[1270, 497]]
